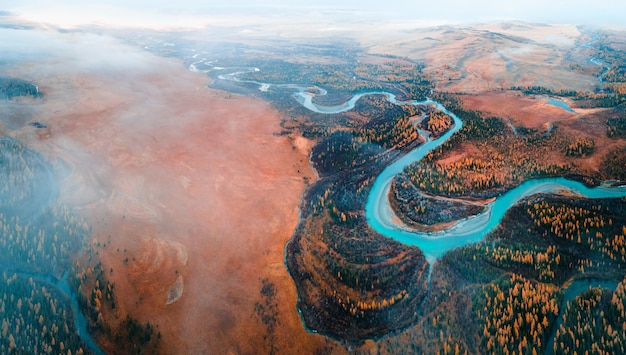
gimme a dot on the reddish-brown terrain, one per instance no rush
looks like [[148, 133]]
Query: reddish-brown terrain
[[535, 112], [191, 193], [187, 190], [526, 111], [492, 56]]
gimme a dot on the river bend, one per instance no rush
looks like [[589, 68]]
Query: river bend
[[378, 211]]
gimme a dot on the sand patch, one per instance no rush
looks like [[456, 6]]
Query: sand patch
[[303, 145], [175, 291]]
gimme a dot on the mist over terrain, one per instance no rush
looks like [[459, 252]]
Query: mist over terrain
[[193, 13], [362, 176]]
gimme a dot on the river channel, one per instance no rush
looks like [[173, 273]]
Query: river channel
[[378, 211], [44, 191]]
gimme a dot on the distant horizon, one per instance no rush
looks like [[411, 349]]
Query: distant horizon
[[198, 14]]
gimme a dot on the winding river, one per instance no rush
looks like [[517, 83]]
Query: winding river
[[378, 211], [80, 322], [45, 192], [576, 288], [467, 231]]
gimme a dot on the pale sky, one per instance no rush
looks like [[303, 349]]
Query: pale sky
[[197, 13]]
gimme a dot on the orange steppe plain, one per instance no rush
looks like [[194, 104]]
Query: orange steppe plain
[[535, 112], [184, 181]]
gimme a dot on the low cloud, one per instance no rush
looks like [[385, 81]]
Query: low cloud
[[198, 13], [77, 50]]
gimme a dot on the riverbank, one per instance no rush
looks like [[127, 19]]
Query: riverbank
[[427, 213], [380, 217]]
